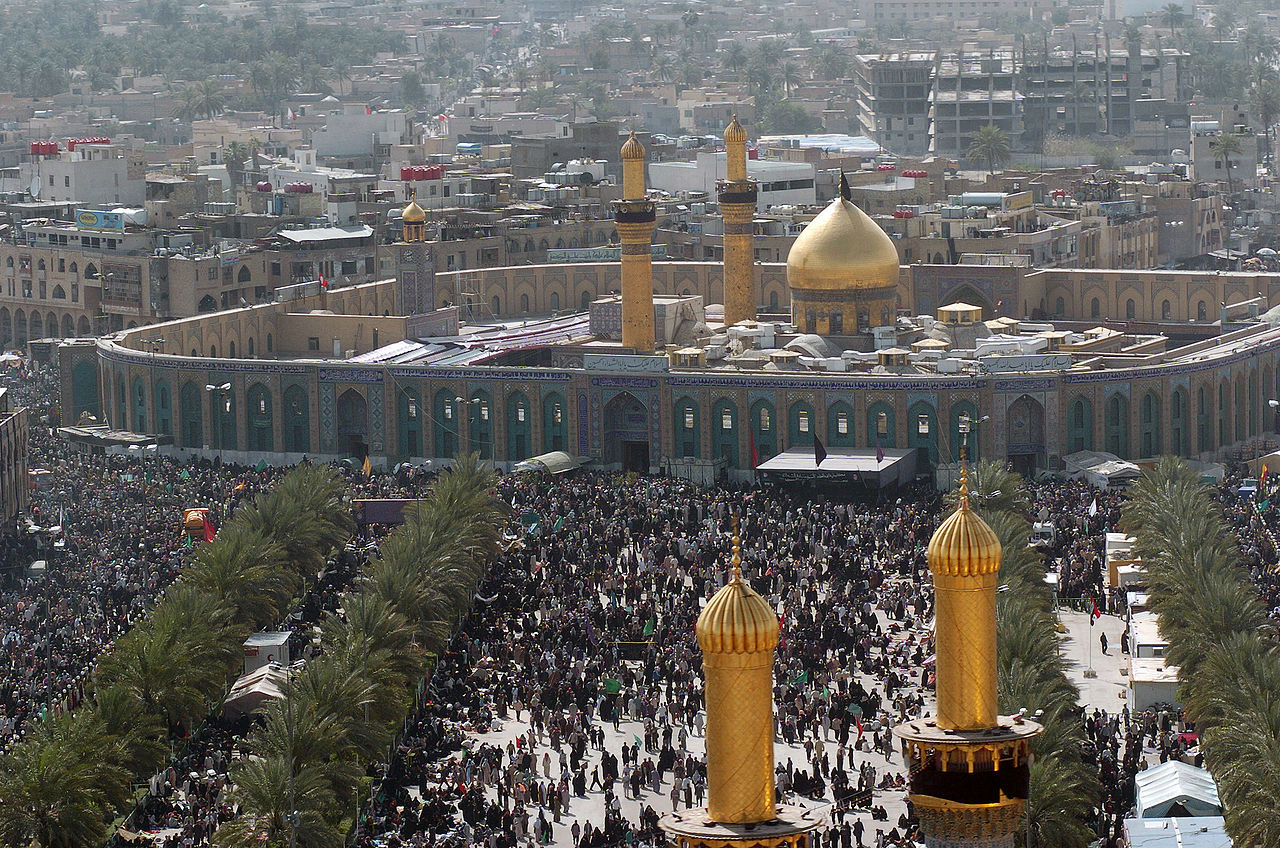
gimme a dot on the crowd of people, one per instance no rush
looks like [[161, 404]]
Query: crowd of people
[[568, 707]]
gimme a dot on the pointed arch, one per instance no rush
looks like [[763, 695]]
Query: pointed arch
[[840, 427], [297, 420], [519, 427], [724, 431], [686, 428], [259, 419]]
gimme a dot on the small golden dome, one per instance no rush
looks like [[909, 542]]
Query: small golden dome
[[633, 149], [964, 545], [735, 132], [842, 249], [413, 213], [737, 620]]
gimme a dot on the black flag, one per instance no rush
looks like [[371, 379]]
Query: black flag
[[819, 452]]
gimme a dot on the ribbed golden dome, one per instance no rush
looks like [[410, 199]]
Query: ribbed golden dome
[[842, 249], [413, 213], [632, 148], [737, 620], [964, 545], [735, 132]]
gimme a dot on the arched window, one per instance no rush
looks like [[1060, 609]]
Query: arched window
[[1130, 309], [244, 276], [684, 431], [519, 428], [724, 432], [524, 303], [763, 431], [773, 301], [1059, 307], [259, 419], [586, 301], [251, 346], [497, 305], [1202, 311], [1080, 425], [554, 423], [1149, 424], [270, 343], [1117, 424], [231, 350], [555, 301], [73, 268], [91, 271], [1166, 310], [1095, 308], [207, 304], [59, 293], [297, 421]]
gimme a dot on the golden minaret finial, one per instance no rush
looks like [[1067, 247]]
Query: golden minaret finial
[[736, 576]]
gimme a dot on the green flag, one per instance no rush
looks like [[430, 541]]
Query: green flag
[[649, 625], [612, 686], [185, 475], [559, 523], [639, 741], [261, 466], [187, 536], [1262, 507], [802, 677]]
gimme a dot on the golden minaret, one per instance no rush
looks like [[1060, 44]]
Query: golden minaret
[[969, 765], [737, 197], [738, 632], [633, 216]]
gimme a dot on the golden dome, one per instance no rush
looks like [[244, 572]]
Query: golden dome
[[964, 545], [632, 149], [735, 132], [842, 249], [413, 213], [737, 620]]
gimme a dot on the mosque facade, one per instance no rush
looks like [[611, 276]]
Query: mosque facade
[[1187, 366]]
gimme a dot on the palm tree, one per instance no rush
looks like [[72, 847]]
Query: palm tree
[[1224, 20], [175, 662], [1174, 16], [663, 68], [268, 790], [789, 74], [140, 735], [1223, 146], [61, 783], [248, 571], [989, 144], [735, 58], [1265, 97]]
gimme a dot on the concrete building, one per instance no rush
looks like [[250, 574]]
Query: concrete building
[[780, 183], [354, 131], [893, 99], [92, 175], [14, 485], [971, 91]]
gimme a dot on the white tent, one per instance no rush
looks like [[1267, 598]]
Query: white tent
[[1100, 469], [1175, 788], [252, 690]]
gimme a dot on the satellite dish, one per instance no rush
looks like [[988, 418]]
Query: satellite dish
[[34, 190]]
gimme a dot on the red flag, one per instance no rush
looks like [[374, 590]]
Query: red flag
[[324, 284], [858, 721], [755, 455], [1096, 614], [209, 532]]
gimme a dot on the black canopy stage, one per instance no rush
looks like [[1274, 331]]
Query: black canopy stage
[[842, 466]]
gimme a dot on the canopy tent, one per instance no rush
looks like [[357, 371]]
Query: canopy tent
[[1100, 469], [555, 462], [1183, 832], [252, 690], [1176, 789], [870, 467]]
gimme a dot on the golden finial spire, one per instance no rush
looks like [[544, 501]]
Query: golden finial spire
[[737, 554]]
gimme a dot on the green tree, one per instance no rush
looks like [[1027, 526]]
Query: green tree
[[990, 145], [1223, 146], [267, 791], [60, 783], [1174, 16]]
